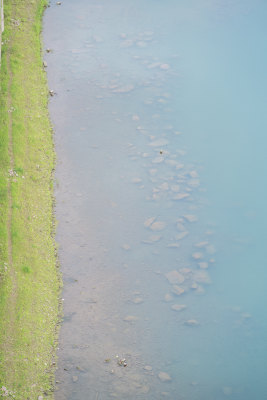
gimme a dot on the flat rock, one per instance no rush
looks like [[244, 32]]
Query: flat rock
[[178, 307], [190, 218], [152, 239], [177, 290], [203, 265], [164, 377], [130, 318], [158, 226], [181, 196], [192, 322], [174, 277], [201, 244], [167, 297], [159, 143], [148, 368], [197, 256], [149, 221], [201, 277], [181, 235]]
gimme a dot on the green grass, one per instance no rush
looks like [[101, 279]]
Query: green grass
[[29, 288]]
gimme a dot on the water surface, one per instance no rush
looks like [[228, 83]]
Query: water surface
[[159, 118]]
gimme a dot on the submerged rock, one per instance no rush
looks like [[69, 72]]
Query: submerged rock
[[174, 277], [164, 377], [178, 307], [192, 322], [191, 218], [177, 290], [158, 226]]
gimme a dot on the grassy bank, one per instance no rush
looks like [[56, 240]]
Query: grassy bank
[[29, 281]]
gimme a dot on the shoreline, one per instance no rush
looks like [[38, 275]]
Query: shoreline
[[30, 281]]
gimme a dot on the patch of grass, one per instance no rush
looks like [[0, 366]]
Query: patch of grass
[[29, 279]]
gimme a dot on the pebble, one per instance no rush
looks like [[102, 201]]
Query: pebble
[[164, 377], [158, 226], [173, 245], [190, 217], [201, 244], [181, 235], [177, 290], [40, 398], [165, 66], [126, 247], [138, 300], [136, 180], [175, 188], [167, 297], [174, 277], [159, 143], [152, 239], [148, 368], [192, 322], [181, 196], [130, 318], [180, 226], [74, 378], [45, 64], [203, 265], [201, 276], [149, 221], [178, 307], [197, 256]]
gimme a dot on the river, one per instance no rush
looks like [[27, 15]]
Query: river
[[159, 113]]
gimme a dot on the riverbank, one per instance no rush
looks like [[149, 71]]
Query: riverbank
[[29, 281]]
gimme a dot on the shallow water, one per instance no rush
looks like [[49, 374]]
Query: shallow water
[[159, 118]]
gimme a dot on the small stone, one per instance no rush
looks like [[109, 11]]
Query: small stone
[[130, 318], [152, 239], [126, 247], [149, 221], [201, 277], [174, 277], [45, 64], [158, 226], [138, 300], [74, 378], [197, 256], [181, 235], [203, 265], [165, 67], [177, 290], [175, 188], [164, 377], [191, 218], [178, 307], [40, 398], [167, 297], [136, 180], [148, 368], [201, 244], [192, 322], [59, 3], [181, 196], [210, 249], [180, 227]]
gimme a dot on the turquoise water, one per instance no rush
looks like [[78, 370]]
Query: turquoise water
[[160, 122]]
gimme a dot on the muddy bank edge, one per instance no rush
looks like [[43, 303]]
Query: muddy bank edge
[[29, 278]]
